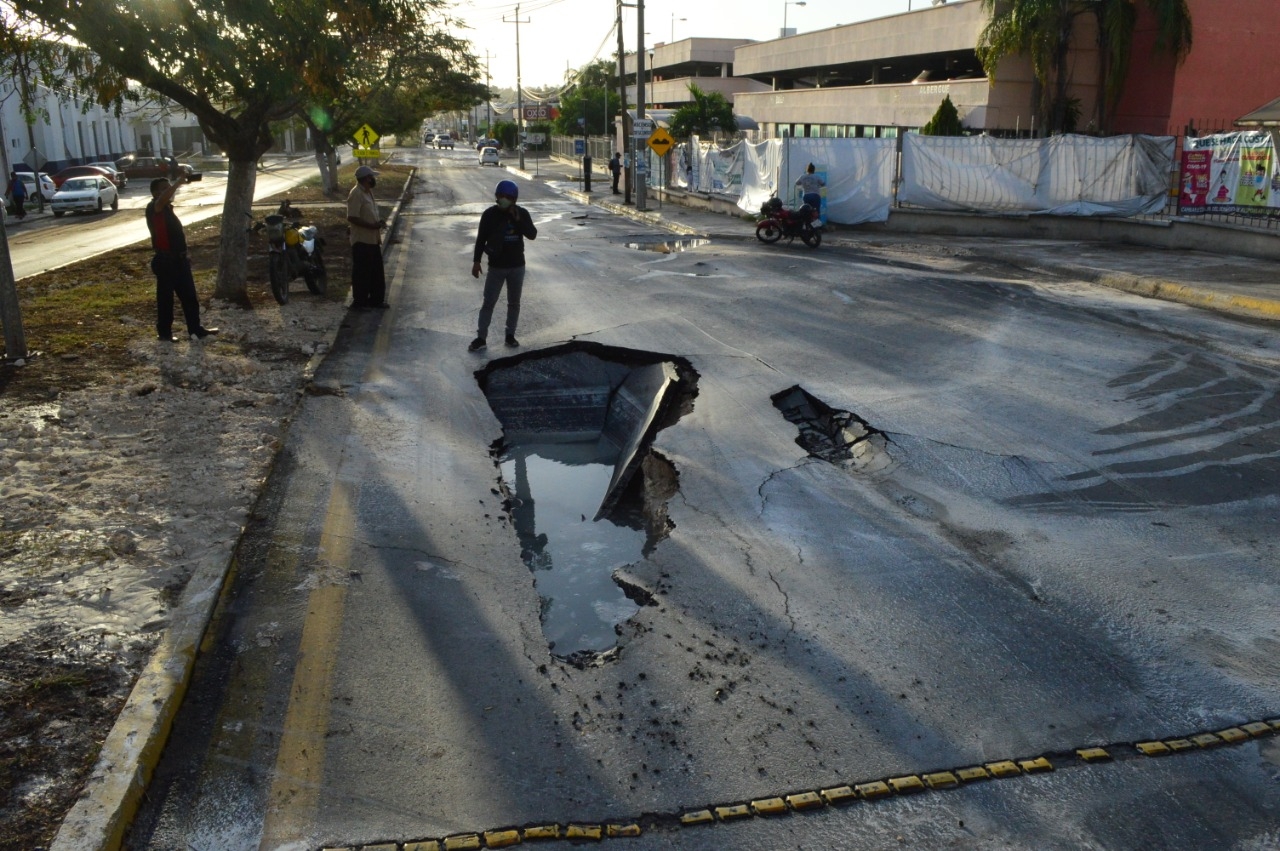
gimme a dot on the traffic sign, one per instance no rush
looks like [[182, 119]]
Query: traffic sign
[[367, 136], [641, 128], [660, 142], [366, 153]]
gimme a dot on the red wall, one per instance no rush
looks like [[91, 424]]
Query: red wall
[[1232, 69]]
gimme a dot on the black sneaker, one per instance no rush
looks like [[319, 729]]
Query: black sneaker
[[512, 342], [476, 345], [168, 338], [202, 332]]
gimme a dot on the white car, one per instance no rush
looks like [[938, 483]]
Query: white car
[[489, 156], [89, 194]]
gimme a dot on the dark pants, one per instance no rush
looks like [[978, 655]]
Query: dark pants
[[368, 279], [493, 283], [19, 206], [616, 175], [173, 277]]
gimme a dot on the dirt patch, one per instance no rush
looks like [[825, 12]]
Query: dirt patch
[[125, 465]]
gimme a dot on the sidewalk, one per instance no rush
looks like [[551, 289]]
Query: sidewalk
[[1241, 286]]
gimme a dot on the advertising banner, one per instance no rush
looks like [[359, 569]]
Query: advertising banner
[[1237, 173]]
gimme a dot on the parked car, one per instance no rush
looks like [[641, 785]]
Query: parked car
[[85, 194], [79, 171], [149, 168], [118, 177], [444, 142], [490, 156]]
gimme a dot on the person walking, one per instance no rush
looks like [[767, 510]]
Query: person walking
[[615, 168], [368, 277], [171, 265], [18, 192], [810, 188], [501, 234]]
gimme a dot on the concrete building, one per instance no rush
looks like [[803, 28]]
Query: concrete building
[[670, 68]]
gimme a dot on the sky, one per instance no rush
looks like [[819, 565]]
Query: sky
[[556, 35]]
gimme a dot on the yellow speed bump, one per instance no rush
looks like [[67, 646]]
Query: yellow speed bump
[[615, 830], [1274, 722], [1093, 754], [1257, 728], [1152, 748], [464, 842], [906, 785], [1206, 740], [1177, 745], [875, 789], [1035, 766], [769, 806], [733, 811], [425, 845], [839, 794], [969, 775], [806, 800], [941, 780], [697, 817], [541, 831], [501, 838], [381, 846], [1233, 734], [1003, 768], [584, 831]]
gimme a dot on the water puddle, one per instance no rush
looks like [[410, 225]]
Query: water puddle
[[585, 492], [669, 246]]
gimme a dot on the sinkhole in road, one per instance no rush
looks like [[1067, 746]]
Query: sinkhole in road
[[584, 489], [665, 246], [838, 437]]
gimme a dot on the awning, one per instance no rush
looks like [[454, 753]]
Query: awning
[[746, 122], [1264, 116]]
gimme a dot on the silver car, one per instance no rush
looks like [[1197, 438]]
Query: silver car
[[85, 194], [489, 156]]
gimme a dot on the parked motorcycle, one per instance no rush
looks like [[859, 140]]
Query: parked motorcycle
[[293, 251], [778, 222]]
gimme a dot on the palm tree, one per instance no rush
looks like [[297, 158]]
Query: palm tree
[[1043, 30]]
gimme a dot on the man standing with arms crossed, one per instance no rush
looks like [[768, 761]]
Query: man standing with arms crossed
[[171, 265], [368, 279]]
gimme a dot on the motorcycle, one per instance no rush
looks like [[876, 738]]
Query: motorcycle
[[778, 222], [293, 251]]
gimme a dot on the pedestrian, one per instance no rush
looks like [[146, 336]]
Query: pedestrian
[[368, 278], [174, 169], [18, 192], [810, 186], [503, 229], [171, 265], [615, 168]]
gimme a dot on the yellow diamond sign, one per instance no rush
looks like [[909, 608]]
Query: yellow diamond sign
[[366, 136], [660, 141]]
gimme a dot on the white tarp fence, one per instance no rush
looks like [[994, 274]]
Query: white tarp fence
[[1063, 175]]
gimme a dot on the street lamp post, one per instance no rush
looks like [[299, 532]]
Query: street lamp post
[[784, 13], [673, 25]]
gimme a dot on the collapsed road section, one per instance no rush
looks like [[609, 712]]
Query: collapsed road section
[[586, 493], [837, 437]]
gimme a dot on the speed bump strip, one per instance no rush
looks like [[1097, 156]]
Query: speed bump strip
[[732, 812], [906, 785], [839, 794], [941, 780], [805, 800], [769, 806], [464, 842], [542, 831], [501, 838]]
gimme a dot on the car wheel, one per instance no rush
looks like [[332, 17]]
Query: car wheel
[[115, 203], [99, 205], [57, 214]]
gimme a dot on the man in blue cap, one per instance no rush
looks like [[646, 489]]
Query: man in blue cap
[[503, 229]]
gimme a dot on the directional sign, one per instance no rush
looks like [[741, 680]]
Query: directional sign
[[641, 128], [660, 142], [367, 136]]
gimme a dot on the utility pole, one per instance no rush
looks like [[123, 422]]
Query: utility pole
[[488, 130], [519, 90], [641, 177], [622, 99]]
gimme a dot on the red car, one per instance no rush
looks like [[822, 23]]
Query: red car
[[81, 171]]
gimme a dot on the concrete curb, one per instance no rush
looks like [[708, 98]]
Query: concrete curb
[[114, 789], [1238, 305]]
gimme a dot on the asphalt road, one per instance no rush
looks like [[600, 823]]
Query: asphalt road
[[1062, 534], [42, 242]]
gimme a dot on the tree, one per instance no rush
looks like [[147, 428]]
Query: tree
[[945, 122], [236, 66], [1043, 31], [593, 97], [707, 114]]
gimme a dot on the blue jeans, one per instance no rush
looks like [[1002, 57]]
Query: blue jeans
[[513, 278]]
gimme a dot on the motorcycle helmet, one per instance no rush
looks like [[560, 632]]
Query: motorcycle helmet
[[507, 189]]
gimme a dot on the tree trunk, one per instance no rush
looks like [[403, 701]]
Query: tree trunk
[[237, 216]]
